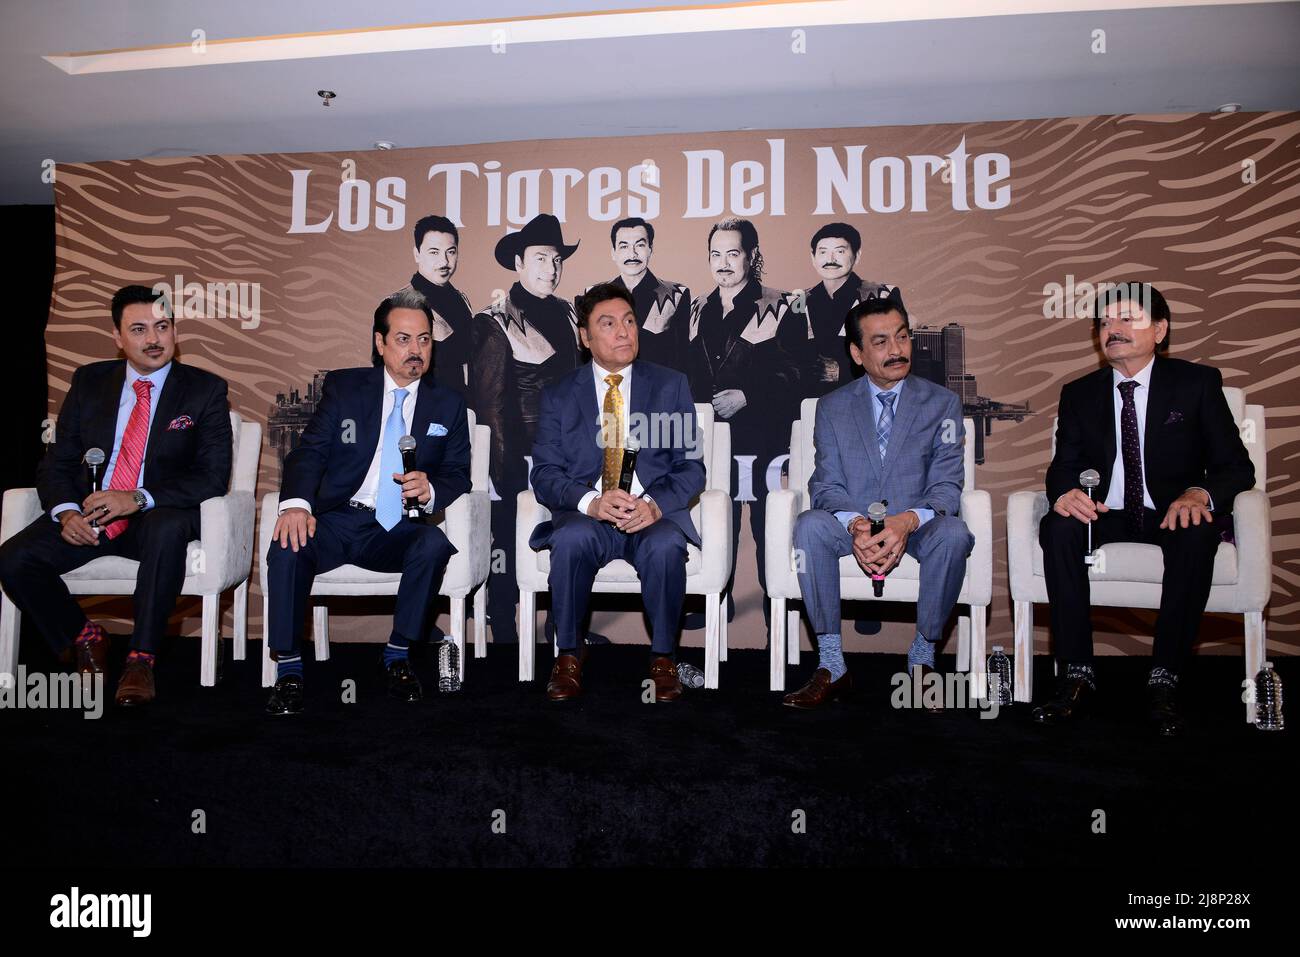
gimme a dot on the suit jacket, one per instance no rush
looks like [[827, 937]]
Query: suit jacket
[[188, 455], [1190, 438], [923, 465], [568, 459], [335, 450]]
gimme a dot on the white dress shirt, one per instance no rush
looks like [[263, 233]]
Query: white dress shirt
[[1115, 494], [368, 493], [625, 389]]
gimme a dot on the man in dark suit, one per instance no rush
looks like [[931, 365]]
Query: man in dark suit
[[344, 492], [586, 420], [164, 430], [1171, 461]]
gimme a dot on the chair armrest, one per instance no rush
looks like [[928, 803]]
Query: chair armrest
[[782, 511], [270, 513], [1025, 510], [468, 529], [21, 507], [715, 538], [1252, 530], [226, 541], [528, 514], [977, 513]]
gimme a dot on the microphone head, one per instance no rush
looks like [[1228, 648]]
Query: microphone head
[[632, 445], [94, 457], [406, 443], [877, 511], [1090, 478]]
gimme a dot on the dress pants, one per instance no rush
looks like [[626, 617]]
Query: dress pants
[[1189, 567], [580, 545], [941, 546], [32, 561], [353, 536]]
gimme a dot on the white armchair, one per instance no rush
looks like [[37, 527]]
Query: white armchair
[[466, 526], [902, 584], [708, 568], [221, 558], [1131, 573]]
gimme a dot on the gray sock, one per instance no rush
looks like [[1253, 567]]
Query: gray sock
[[830, 655], [1163, 676], [921, 652]]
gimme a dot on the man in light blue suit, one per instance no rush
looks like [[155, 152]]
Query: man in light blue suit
[[888, 437]]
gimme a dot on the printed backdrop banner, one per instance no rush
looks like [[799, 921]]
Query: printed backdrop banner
[[993, 232]]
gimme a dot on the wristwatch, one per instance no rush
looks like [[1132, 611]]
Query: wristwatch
[[141, 502]]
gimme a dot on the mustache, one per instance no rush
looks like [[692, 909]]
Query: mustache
[[896, 361], [1113, 339]]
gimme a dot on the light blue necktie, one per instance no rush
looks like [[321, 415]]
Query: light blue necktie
[[886, 423], [388, 503]]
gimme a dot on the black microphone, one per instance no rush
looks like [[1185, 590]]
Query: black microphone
[[94, 462], [1089, 479], [406, 445], [629, 466], [876, 513]]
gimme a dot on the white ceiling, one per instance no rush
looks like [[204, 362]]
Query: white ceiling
[[1159, 59]]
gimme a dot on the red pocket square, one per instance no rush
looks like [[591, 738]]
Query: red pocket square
[[180, 423]]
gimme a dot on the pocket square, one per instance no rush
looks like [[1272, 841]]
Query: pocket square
[[436, 428], [1174, 418], [180, 423]]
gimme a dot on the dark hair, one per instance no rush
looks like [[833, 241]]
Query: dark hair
[[402, 299], [838, 231], [593, 297], [748, 242], [875, 306], [630, 223], [130, 295], [1147, 297], [435, 224]]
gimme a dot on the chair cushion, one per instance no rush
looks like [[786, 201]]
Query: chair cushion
[[621, 571], [1136, 562], [113, 568]]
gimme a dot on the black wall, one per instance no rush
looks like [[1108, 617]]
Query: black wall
[[28, 283]]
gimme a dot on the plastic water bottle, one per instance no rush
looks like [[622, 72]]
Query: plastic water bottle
[[1268, 699], [999, 672]]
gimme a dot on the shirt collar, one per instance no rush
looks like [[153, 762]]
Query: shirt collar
[[390, 385], [876, 390], [601, 372], [157, 377], [1143, 378]]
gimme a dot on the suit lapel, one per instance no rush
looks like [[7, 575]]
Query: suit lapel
[[1158, 404], [866, 416], [908, 402], [1106, 401], [422, 417], [372, 406], [103, 420], [591, 412], [168, 404]]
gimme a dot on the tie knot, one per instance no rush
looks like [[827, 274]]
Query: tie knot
[[887, 399], [1126, 387], [613, 380], [142, 387]]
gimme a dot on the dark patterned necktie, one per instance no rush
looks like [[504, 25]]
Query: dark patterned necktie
[[1132, 449]]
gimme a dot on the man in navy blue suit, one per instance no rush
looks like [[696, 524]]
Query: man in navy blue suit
[[586, 420], [342, 497]]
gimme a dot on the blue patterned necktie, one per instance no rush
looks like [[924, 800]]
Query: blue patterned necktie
[[886, 423], [1132, 457], [388, 502]]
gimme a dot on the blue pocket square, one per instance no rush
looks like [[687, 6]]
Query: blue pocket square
[[436, 428]]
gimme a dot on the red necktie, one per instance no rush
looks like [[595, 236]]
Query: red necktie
[[126, 471]]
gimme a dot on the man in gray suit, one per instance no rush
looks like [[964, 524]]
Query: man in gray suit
[[887, 437]]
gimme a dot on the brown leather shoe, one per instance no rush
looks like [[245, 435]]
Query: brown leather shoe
[[136, 685], [818, 691], [926, 671], [668, 686], [566, 677], [92, 657]]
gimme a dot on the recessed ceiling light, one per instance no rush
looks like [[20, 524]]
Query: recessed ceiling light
[[383, 145], [1229, 108], [326, 96]]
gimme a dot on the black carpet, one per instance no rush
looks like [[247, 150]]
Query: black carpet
[[715, 779]]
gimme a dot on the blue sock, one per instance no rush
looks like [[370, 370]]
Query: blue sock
[[921, 652], [397, 649], [830, 655], [288, 665]]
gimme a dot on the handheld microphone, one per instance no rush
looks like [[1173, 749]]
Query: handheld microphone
[[1089, 479], [406, 445], [876, 512], [629, 465], [94, 462]]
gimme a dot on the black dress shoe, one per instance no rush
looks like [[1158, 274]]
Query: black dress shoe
[[286, 696], [1072, 699], [403, 685], [1162, 710]]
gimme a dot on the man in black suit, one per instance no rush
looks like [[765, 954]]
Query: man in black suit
[[164, 431], [586, 420], [1171, 461], [344, 491]]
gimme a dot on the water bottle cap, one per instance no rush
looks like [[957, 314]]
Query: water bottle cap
[[1268, 665], [997, 648]]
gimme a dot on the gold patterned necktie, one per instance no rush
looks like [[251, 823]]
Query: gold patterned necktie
[[612, 433]]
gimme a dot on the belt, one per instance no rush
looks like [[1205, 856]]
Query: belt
[[361, 505]]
